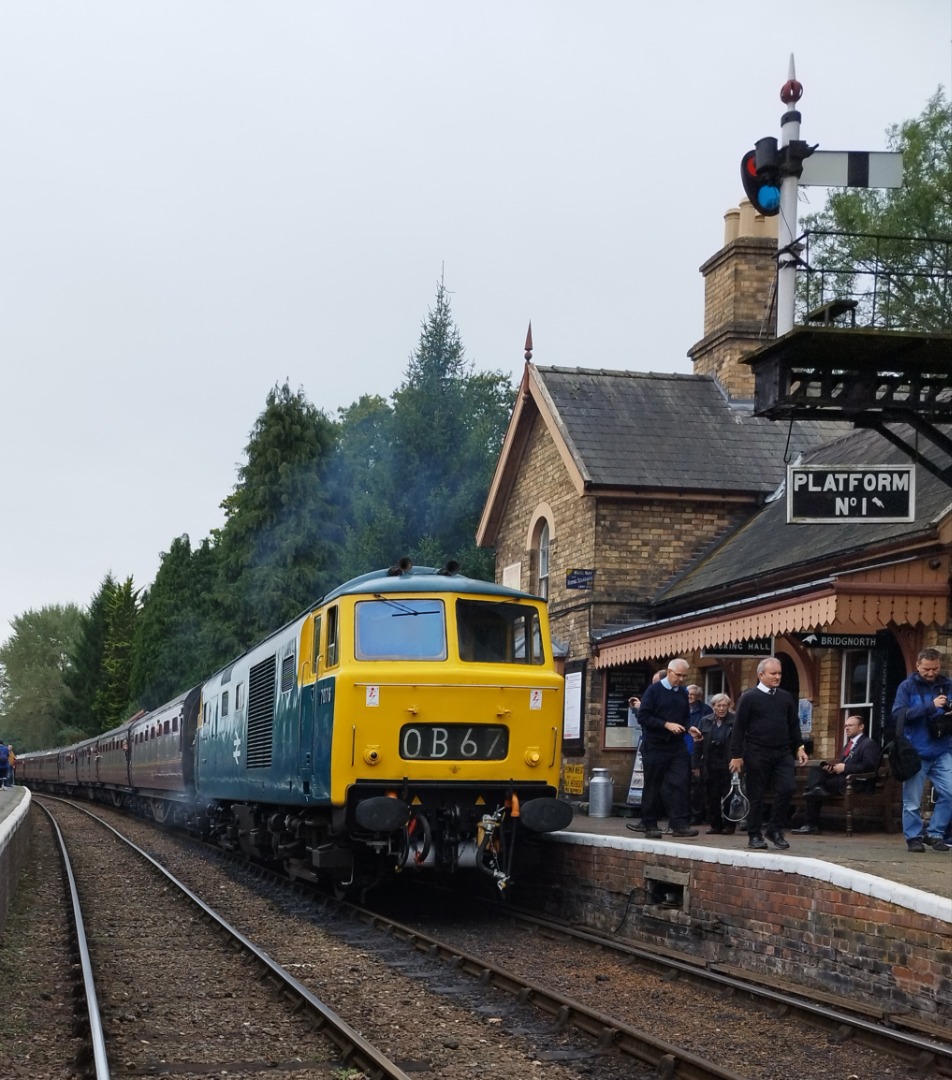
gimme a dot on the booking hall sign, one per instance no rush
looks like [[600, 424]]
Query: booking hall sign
[[851, 493]]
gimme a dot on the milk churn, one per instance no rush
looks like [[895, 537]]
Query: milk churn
[[600, 793]]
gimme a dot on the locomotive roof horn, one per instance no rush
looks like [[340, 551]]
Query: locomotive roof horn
[[404, 566], [451, 567]]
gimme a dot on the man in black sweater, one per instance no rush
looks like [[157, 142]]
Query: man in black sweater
[[663, 717], [765, 741]]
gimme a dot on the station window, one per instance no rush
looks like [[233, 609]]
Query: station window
[[543, 562], [714, 682], [856, 684]]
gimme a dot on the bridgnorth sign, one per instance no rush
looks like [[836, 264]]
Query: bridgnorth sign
[[851, 493]]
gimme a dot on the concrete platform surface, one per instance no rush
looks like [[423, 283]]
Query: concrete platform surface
[[879, 854]]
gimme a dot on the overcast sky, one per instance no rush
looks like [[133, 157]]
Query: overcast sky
[[203, 198]]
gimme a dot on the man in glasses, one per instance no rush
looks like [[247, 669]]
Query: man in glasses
[[664, 719]]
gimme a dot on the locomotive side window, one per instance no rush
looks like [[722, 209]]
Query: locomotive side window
[[224, 703], [316, 647], [400, 630], [333, 622], [239, 696], [498, 633]]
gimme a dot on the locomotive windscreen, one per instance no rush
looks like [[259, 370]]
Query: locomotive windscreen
[[400, 630], [495, 633]]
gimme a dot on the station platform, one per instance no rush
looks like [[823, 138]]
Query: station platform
[[878, 854]]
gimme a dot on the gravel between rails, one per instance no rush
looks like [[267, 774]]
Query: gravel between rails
[[428, 1035]]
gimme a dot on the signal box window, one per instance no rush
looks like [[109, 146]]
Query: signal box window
[[495, 633], [400, 630]]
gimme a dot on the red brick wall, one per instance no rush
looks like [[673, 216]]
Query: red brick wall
[[800, 928]]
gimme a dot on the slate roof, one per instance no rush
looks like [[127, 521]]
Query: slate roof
[[634, 429], [765, 543]]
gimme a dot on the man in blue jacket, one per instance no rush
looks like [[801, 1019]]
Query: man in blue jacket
[[923, 703]]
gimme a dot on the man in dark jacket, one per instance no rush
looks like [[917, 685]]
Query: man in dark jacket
[[921, 706], [764, 743], [663, 717], [860, 755]]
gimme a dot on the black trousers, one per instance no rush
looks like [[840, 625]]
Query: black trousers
[[717, 783], [819, 784], [667, 786], [764, 771]]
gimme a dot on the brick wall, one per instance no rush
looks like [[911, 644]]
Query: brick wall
[[739, 315], [634, 544], [759, 914]]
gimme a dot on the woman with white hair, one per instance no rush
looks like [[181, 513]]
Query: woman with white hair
[[715, 762]]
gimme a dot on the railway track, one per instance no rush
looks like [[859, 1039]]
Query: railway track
[[419, 950], [237, 1011], [923, 1054]]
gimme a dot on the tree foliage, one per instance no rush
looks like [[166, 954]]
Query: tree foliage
[[173, 646], [902, 235], [276, 548], [34, 661], [99, 677], [447, 429], [316, 502]]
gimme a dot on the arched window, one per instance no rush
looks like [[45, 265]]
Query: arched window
[[543, 562]]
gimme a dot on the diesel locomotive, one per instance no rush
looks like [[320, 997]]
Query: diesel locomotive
[[411, 717]]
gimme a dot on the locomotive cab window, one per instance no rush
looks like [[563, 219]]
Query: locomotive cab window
[[332, 632], [495, 633], [400, 630]]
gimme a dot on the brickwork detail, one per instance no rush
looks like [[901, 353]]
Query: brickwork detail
[[802, 930]]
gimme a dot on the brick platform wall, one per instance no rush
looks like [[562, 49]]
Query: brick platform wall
[[807, 922]]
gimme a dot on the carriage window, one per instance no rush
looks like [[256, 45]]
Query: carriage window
[[400, 630], [498, 633], [166, 727]]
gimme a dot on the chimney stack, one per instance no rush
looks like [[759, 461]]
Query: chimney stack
[[739, 300]]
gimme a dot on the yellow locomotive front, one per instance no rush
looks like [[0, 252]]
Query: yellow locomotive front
[[447, 716]]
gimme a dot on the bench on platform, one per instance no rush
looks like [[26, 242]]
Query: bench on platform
[[877, 801]]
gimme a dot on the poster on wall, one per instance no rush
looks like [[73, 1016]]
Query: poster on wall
[[621, 723], [572, 720], [637, 786]]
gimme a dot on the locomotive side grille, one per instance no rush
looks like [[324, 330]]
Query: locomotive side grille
[[261, 714]]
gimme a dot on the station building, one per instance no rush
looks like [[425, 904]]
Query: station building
[[650, 510]]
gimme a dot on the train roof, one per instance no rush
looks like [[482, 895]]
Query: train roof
[[421, 579]]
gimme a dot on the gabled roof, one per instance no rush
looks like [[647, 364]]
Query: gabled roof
[[765, 544], [638, 431]]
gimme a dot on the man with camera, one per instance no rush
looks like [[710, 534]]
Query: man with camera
[[923, 712]]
